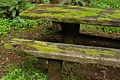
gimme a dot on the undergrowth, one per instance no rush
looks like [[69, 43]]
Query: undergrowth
[[105, 3], [21, 74], [101, 29], [7, 24], [26, 70]]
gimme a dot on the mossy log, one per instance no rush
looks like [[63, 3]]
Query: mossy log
[[67, 52], [73, 14]]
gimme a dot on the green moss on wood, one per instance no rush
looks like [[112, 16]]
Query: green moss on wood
[[66, 12], [38, 45], [114, 15], [96, 10], [33, 15], [72, 6], [8, 46], [72, 14], [94, 52], [45, 48], [62, 13], [41, 4], [70, 49], [117, 11], [56, 9], [68, 16], [100, 19], [50, 48], [117, 15]]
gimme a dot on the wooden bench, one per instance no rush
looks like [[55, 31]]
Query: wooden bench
[[70, 17], [56, 53]]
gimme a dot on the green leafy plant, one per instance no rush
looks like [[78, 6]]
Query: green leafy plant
[[11, 8], [29, 61], [105, 29], [46, 1], [105, 3], [28, 6], [25, 70], [7, 24], [73, 2], [17, 73], [45, 32], [25, 24], [4, 26]]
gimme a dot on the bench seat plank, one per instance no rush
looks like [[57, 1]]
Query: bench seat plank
[[67, 52], [73, 14]]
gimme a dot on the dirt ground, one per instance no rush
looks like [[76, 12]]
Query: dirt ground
[[77, 70]]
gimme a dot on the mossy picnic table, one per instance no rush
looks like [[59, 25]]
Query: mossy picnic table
[[70, 17]]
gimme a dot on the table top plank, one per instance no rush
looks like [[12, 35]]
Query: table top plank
[[73, 14]]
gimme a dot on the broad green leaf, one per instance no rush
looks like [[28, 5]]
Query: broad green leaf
[[17, 7], [46, 1], [1, 12], [13, 13], [12, 8]]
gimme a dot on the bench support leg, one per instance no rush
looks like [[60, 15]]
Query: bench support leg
[[54, 69], [69, 32]]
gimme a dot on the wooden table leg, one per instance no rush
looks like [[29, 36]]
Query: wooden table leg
[[69, 32], [54, 69]]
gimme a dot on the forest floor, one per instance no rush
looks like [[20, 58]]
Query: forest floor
[[70, 69]]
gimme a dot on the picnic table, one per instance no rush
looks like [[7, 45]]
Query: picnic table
[[70, 17]]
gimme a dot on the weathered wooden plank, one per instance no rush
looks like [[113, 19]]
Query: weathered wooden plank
[[67, 52], [73, 14]]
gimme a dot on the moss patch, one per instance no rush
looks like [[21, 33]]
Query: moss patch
[[117, 11], [8, 46], [70, 49], [72, 14], [94, 52], [115, 15], [100, 19], [68, 12], [38, 45], [44, 48], [60, 13], [96, 10]]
